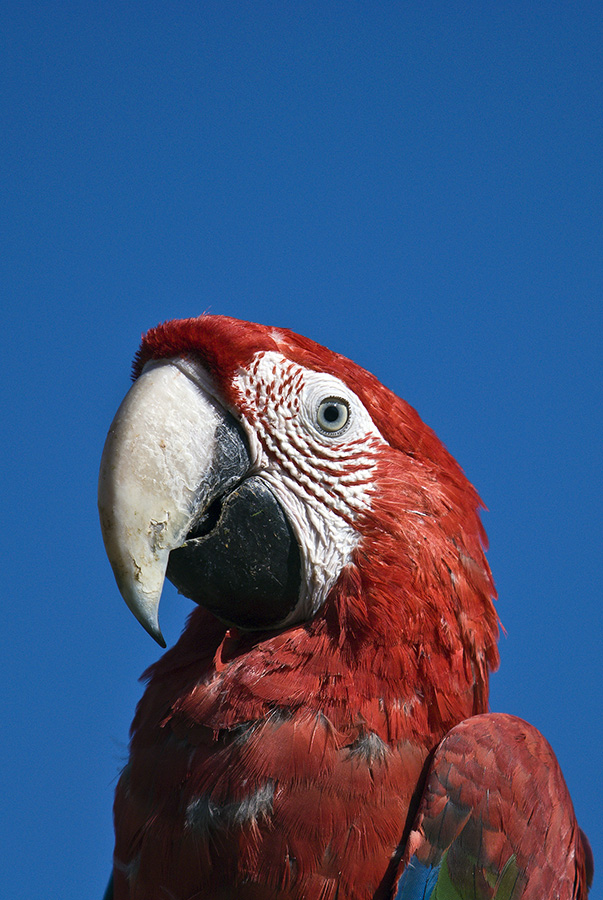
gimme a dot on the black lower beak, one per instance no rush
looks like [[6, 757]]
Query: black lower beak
[[241, 561]]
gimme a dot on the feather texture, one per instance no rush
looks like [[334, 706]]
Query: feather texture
[[495, 821]]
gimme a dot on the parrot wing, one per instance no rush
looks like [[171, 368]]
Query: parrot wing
[[495, 820]]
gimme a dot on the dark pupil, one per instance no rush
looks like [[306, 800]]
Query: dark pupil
[[331, 413]]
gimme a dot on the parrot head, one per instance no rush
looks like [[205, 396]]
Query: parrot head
[[274, 481]]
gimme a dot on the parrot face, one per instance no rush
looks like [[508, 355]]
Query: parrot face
[[217, 456], [251, 508]]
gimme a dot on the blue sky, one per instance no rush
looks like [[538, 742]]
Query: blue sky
[[416, 185]]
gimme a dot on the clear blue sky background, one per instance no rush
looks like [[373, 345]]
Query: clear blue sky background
[[417, 185]]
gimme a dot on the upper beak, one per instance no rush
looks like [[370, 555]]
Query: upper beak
[[170, 451]]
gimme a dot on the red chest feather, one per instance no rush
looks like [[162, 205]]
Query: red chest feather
[[270, 769]]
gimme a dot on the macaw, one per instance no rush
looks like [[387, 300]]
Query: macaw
[[320, 731]]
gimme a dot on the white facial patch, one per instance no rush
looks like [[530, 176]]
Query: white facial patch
[[314, 444]]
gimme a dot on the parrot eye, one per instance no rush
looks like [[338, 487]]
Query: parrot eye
[[333, 414]]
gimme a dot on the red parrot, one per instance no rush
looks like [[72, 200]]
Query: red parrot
[[321, 729]]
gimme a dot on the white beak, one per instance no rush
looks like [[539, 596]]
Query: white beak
[[154, 478]]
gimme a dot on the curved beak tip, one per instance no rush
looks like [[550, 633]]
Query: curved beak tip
[[144, 605], [149, 621], [157, 636]]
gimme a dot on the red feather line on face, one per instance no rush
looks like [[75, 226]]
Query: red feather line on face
[[288, 761]]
